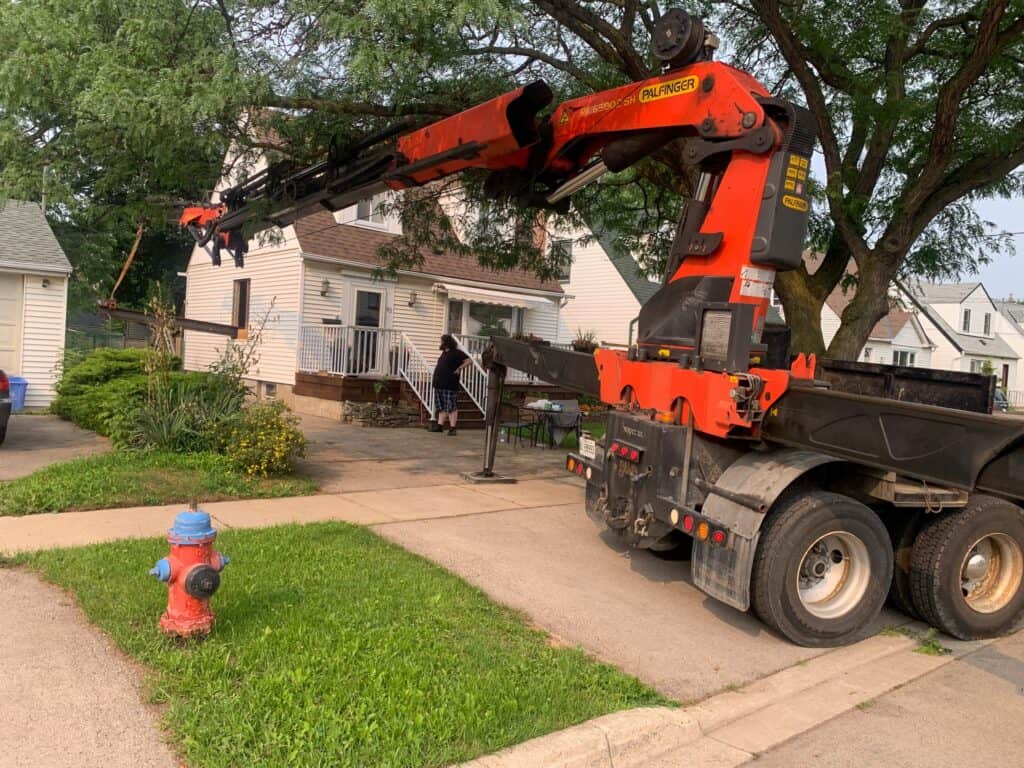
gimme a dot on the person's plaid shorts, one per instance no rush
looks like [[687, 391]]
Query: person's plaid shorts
[[446, 400]]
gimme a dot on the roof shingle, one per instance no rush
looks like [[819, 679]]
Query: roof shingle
[[29, 243], [320, 235]]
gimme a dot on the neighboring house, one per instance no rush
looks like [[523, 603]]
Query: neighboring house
[[899, 338], [963, 322], [34, 276], [328, 314], [606, 290]]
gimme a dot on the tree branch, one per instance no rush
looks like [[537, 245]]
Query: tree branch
[[344, 107], [533, 53]]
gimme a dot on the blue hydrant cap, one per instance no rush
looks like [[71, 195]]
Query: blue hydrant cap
[[191, 528], [162, 569]]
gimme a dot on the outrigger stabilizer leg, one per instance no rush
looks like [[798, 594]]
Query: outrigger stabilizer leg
[[495, 390]]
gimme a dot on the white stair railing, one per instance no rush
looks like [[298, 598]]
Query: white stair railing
[[417, 373], [474, 377]]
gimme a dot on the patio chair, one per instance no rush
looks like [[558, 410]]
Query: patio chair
[[513, 421], [568, 420]]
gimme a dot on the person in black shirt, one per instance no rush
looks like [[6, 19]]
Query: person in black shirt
[[446, 384]]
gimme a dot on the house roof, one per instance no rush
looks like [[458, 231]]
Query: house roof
[[320, 235], [638, 284], [943, 293], [1013, 312], [29, 243], [886, 329], [970, 345]]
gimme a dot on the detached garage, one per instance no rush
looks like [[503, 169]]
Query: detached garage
[[33, 299]]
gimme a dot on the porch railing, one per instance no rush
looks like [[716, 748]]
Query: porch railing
[[417, 373], [349, 350], [474, 377], [474, 347]]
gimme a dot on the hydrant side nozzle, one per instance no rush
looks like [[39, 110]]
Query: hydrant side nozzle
[[222, 560], [162, 569]]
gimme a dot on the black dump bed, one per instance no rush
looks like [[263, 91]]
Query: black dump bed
[[946, 389]]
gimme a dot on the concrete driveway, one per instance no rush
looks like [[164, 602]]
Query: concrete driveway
[[531, 547], [34, 442]]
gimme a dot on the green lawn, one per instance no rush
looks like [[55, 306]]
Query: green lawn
[[127, 479], [595, 428], [336, 648]]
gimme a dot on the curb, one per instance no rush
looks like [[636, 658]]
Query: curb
[[733, 727]]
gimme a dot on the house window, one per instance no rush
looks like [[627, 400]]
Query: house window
[[867, 353], [967, 321], [492, 320], [240, 304], [561, 253], [454, 324], [988, 324], [368, 210], [904, 358], [981, 366]]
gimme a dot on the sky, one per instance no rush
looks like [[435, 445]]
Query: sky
[[1005, 275]]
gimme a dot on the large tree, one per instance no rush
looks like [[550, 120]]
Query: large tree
[[919, 108]]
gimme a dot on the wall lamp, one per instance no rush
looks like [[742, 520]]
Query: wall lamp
[[325, 286], [412, 298]]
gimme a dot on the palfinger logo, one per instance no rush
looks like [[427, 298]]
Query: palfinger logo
[[676, 87]]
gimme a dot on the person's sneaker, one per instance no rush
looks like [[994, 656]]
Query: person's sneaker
[[452, 431], [435, 427]]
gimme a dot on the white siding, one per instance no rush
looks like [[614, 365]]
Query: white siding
[[274, 270], [45, 310], [601, 301], [830, 323], [544, 321], [424, 321], [316, 307]]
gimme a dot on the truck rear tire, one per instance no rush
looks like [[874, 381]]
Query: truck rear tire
[[967, 569], [903, 530], [822, 569]]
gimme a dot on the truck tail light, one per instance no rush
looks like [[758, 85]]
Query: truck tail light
[[615, 447], [703, 529], [634, 455], [571, 464], [718, 537], [5, 385], [688, 523]]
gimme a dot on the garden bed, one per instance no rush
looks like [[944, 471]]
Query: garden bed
[[334, 647]]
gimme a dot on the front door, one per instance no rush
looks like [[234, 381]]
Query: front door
[[366, 339], [11, 287]]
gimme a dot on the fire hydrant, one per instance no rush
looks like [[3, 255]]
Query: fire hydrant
[[192, 572]]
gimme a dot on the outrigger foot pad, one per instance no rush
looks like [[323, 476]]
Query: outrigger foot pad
[[483, 477]]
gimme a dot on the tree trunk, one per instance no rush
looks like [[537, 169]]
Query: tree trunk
[[869, 305], [803, 311]]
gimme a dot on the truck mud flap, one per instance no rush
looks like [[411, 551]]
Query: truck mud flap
[[738, 502], [724, 572]]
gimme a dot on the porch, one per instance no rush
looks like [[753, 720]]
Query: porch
[[363, 363]]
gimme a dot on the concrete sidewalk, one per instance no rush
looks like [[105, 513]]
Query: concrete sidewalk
[[68, 698], [368, 507]]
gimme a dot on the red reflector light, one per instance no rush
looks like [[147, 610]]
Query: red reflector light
[[579, 469], [718, 537], [5, 385], [615, 447], [688, 523], [623, 450], [634, 455]]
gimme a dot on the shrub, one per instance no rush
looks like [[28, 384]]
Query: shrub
[[94, 407], [266, 440], [182, 412]]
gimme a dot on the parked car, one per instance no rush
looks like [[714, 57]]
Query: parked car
[[5, 404], [999, 402]]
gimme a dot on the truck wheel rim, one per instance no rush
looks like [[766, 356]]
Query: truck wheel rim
[[834, 575], [991, 573]]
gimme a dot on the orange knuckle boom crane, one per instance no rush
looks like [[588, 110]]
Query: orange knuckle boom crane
[[767, 465]]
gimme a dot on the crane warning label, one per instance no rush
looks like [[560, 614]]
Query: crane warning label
[[664, 90]]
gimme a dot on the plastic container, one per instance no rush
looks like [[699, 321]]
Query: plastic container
[[18, 387]]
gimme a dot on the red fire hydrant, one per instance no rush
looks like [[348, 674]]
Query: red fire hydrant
[[192, 572]]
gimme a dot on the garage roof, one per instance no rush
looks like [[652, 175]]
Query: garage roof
[[28, 243]]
